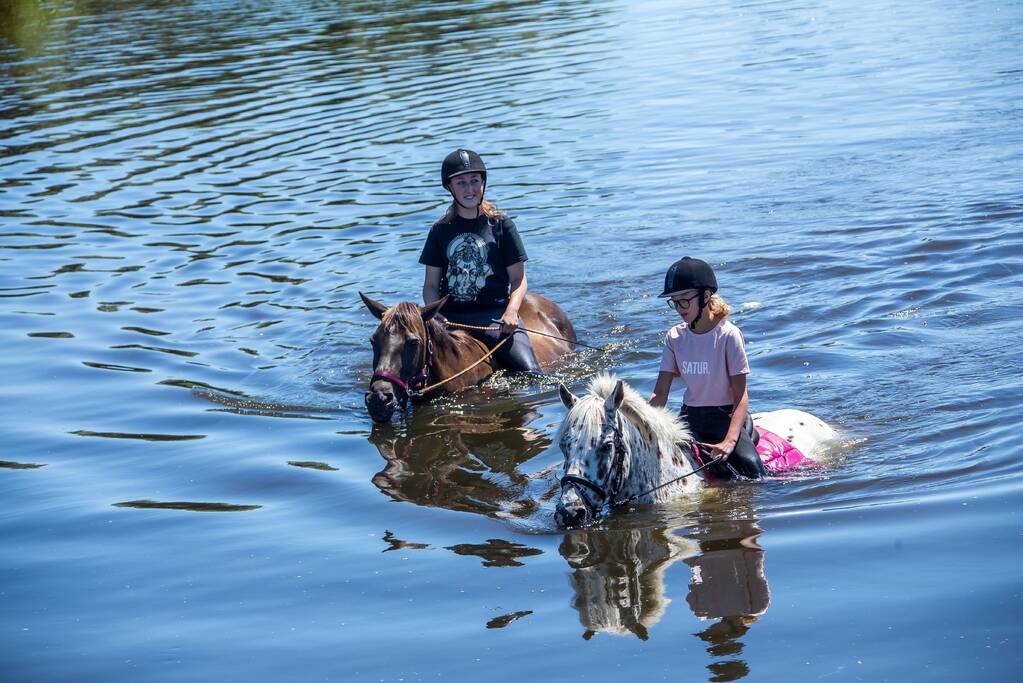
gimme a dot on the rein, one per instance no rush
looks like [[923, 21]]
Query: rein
[[493, 328]]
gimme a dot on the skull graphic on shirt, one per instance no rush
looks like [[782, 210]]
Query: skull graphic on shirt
[[467, 268]]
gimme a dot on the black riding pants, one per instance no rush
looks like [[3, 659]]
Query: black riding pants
[[516, 354], [709, 424]]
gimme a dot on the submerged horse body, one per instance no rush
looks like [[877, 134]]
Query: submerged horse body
[[414, 352], [618, 448]]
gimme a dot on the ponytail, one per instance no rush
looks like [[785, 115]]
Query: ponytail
[[718, 306]]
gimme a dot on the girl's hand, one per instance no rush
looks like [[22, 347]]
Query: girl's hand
[[509, 323], [724, 449]]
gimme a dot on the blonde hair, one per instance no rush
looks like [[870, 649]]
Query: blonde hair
[[718, 306], [487, 209]]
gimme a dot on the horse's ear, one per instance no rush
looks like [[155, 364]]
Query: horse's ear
[[614, 401], [567, 397], [431, 310], [587, 634], [641, 631], [375, 307]]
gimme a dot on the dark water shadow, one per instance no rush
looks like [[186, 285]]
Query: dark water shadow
[[313, 465], [506, 619], [138, 435], [620, 588], [185, 505], [496, 552], [241, 404], [11, 465], [467, 460]]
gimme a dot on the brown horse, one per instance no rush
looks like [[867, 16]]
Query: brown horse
[[412, 350]]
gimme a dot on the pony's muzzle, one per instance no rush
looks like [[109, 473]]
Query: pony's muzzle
[[571, 509]]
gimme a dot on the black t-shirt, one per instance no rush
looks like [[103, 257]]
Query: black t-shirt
[[474, 256]]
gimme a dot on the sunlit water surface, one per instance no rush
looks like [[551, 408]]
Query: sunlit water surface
[[192, 194]]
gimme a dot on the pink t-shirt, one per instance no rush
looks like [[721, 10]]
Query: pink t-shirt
[[705, 362]]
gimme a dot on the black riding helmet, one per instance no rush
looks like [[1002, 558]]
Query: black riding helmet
[[690, 273], [461, 161]]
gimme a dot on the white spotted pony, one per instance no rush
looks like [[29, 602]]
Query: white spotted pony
[[619, 449]]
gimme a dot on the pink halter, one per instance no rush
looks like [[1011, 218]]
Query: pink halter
[[412, 387]]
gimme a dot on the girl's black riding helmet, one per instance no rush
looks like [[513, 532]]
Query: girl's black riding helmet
[[461, 161], [689, 273]]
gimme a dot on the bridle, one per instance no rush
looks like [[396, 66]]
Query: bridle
[[607, 490], [414, 385]]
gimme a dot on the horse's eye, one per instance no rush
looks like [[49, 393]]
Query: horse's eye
[[412, 344]]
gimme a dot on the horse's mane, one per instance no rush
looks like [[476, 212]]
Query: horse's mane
[[657, 429], [408, 316], [404, 315]]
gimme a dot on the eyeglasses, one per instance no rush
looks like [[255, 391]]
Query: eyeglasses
[[679, 304]]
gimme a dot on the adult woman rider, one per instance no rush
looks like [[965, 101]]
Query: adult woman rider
[[474, 256]]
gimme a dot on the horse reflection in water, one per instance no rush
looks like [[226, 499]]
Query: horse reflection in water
[[620, 587], [469, 461], [618, 577]]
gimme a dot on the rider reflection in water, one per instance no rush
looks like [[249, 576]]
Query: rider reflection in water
[[707, 351], [475, 257]]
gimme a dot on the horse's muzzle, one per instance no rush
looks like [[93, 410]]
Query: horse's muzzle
[[380, 404], [571, 510]]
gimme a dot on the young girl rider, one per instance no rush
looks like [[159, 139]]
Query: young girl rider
[[707, 351], [474, 256]]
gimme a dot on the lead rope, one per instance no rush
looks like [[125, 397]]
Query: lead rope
[[668, 483], [489, 353], [482, 328]]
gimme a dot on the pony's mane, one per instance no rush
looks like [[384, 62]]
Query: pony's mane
[[656, 428], [408, 317]]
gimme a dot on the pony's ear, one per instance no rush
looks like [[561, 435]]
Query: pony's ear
[[431, 310], [614, 401], [567, 397], [375, 307]]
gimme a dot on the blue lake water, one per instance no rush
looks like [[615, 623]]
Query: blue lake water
[[192, 195]]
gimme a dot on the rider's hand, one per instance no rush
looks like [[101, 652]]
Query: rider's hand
[[724, 449], [509, 323]]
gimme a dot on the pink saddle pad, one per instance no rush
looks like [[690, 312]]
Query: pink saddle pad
[[778, 454]]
